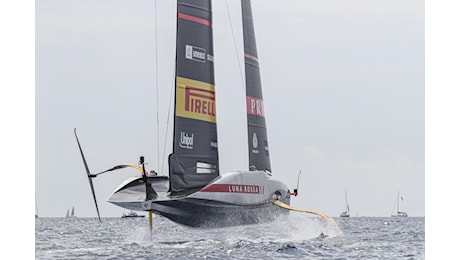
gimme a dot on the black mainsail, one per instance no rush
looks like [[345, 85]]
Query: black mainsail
[[259, 157], [194, 161]]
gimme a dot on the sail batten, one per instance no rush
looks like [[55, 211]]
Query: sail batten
[[195, 131], [259, 157]]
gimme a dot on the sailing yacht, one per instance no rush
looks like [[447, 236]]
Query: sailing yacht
[[399, 213], [346, 213], [196, 193], [72, 213]]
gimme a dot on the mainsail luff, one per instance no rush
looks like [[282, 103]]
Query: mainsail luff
[[194, 161], [259, 156]]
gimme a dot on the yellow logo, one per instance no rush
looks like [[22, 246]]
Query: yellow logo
[[195, 99]]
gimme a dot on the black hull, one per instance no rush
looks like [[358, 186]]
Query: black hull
[[210, 214]]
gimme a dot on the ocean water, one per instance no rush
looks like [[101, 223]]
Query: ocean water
[[297, 236]]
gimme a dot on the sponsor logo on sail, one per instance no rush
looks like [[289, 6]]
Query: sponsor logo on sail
[[255, 106], [195, 53], [186, 140], [199, 101], [255, 143], [195, 99]]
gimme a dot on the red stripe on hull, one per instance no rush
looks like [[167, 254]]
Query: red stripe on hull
[[234, 188]]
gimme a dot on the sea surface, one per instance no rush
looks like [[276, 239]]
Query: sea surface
[[297, 236]]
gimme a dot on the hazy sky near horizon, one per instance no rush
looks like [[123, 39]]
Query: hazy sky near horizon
[[343, 84]]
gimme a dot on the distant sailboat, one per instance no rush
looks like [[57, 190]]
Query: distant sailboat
[[346, 213], [399, 213], [72, 213], [36, 208]]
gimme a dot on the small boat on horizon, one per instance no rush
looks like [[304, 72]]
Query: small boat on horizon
[[399, 213], [346, 213], [36, 208], [72, 213], [132, 214]]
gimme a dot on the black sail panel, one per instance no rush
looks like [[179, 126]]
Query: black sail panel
[[257, 132], [194, 161]]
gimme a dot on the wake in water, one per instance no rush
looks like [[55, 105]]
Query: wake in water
[[295, 227], [280, 237]]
